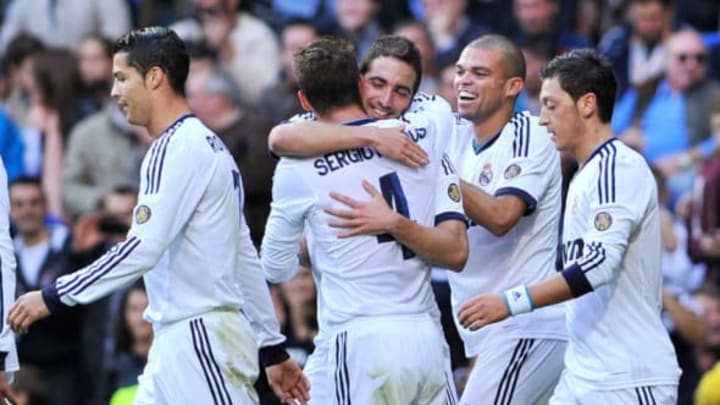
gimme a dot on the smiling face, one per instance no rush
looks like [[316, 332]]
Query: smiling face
[[387, 87], [559, 114], [480, 83], [130, 91]]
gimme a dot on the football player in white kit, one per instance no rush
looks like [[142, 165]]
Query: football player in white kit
[[8, 351], [208, 302], [511, 176], [376, 309], [618, 350]]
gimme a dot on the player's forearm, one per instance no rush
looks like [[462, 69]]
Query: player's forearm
[[486, 210], [309, 138], [550, 291], [445, 245]]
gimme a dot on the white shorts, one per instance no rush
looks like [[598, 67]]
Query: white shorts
[[568, 393], [384, 360], [515, 371], [209, 359]]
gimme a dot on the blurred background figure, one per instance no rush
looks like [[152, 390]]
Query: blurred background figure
[[95, 64], [103, 151], [279, 101], [537, 55], [637, 49], [43, 253], [357, 21], [29, 387], [64, 23], [217, 102], [537, 21], [246, 45], [133, 336], [669, 122]]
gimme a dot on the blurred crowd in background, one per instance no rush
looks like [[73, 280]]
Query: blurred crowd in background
[[73, 160]]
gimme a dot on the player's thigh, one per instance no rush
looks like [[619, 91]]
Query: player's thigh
[[568, 393], [209, 359], [515, 371], [318, 371], [391, 361]]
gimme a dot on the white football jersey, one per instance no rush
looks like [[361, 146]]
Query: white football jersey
[[362, 275], [611, 255], [522, 161], [189, 238], [8, 350]]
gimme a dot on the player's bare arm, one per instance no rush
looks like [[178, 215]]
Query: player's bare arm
[[444, 245], [28, 308], [6, 393], [310, 138], [494, 307], [497, 214]]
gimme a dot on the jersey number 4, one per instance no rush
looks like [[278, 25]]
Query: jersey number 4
[[393, 193]]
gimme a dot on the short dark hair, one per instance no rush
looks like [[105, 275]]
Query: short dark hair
[[513, 59], [22, 46], [398, 47], [584, 71], [327, 73], [26, 180], [156, 46]]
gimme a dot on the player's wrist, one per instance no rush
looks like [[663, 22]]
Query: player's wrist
[[518, 300], [272, 355]]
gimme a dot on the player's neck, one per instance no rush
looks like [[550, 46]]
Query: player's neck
[[166, 114], [487, 128], [342, 114], [594, 137]]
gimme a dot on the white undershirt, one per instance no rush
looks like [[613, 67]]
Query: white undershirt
[[32, 258]]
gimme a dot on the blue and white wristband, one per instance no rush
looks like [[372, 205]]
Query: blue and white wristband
[[518, 300]]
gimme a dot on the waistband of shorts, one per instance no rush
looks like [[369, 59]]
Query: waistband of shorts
[[160, 328], [394, 318]]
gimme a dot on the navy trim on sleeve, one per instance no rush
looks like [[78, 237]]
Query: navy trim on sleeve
[[576, 279], [449, 216], [529, 200], [272, 355], [3, 355], [52, 298]]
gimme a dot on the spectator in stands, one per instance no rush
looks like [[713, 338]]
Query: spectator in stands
[[55, 107], [708, 352], [637, 49], [357, 21], [450, 28], [669, 122], [103, 151], [419, 34], [537, 20], [42, 255], [64, 23], [133, 336], [216, 100], [246, 45], [29, 386], [280, 101], [17, 63], [11, 147], [537, 55], [95, 63], [446, 89]]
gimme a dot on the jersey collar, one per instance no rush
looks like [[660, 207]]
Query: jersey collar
[[359, 121], [599, 148], [477, 148]]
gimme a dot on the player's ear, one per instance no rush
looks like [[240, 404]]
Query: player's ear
[[154, 77], [304, 101], [513, 86], [587, 105]]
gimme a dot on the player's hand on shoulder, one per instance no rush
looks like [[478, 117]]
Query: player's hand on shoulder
[[483, 310], [394, 143], [288, 382], [28, 308]]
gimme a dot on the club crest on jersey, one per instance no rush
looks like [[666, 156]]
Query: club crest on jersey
[[454, 192], [142, 214], [603, 221], [486, 175], [512, 171]]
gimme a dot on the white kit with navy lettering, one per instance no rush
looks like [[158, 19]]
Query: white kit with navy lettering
[[611, 254], [372, 290], [521, 161], [521, 356], [8, 351], [190, 242]]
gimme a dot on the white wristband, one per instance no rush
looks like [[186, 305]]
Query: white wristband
[[518, 300]]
